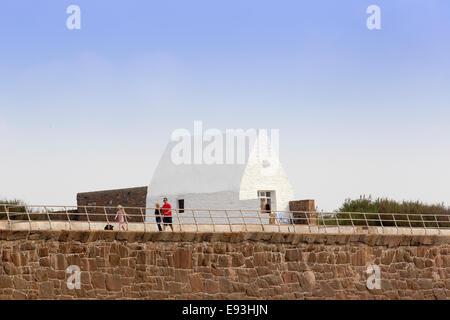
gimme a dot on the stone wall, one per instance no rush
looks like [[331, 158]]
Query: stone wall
[[303, 205], [129, 197], [165, 265]]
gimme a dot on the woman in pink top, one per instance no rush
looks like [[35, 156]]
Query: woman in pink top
[[122, 214]]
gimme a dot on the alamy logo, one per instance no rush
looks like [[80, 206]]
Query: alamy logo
[[74, 280], [373, 281], [235, 146], [374, 20], [74, 20]]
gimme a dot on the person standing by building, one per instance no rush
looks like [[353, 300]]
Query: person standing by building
[[122, 216], [167, 214], [158, 215], [271, 214]]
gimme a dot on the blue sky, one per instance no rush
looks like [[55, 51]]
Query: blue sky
[[359, 111]]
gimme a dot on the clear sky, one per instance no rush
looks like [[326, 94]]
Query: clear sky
[[359, 111]]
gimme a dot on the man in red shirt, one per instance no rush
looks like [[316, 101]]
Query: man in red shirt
[[166, 212]]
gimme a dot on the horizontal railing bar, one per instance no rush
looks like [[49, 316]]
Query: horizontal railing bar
[[334, 221], [322, 214]]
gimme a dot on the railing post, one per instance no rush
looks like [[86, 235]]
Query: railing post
[[277, 219], [7, 216], [437, 224], [48, 217], [290, 221], [423, 222], [324, 224], [409, 221], [106, 215], [293, 219], [243, 219], [28, 215], [87, 217], [381, 222], [126, 219], [351, 220], [395, 221], [178, 218], [195, 220], [259, 213], [307, 220], [228, 219], [337, 223], [68, 218], [212, 221], [143, 219], [367, 222]]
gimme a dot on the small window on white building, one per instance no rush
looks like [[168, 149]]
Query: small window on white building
[[265, 198]]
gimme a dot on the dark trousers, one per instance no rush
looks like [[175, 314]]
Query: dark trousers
[[158, 221]]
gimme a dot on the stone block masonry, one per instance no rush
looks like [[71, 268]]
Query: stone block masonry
[[129, 197], [165, 265], [303, 205]]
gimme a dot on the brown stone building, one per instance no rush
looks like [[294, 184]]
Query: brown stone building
[[129, 197], [299, 208]]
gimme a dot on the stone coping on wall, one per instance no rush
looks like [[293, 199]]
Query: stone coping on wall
[[232, 237]]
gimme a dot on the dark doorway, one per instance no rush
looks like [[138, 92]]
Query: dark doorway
[[180, 205]]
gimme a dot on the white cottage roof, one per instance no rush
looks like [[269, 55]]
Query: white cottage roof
[[170, 178]]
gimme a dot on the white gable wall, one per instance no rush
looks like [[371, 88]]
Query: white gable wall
[[217, 201], [264, 172], [252, 183], [228, 186]]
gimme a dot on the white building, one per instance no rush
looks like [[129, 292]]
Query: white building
[[231, 181]]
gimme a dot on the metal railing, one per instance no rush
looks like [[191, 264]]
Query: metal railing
[[46, 217]]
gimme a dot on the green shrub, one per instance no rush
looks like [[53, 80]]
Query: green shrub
[[14, 208], [387, 212]]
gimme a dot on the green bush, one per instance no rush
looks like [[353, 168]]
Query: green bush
[[387, 212], [14, 208]]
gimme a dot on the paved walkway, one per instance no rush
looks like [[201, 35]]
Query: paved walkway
[[152, 227]]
